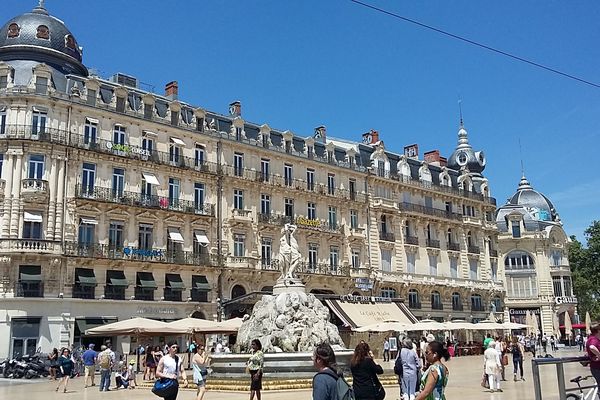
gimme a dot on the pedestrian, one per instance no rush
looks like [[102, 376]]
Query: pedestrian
[[501, 349], [200, 367], [422, 348], [121, 377], [518, 353], [545, 344], [105, 363], [89, 364], [410, 370], [492, 366], [255, 366], [65, 365], [324, 382], [435, 379], [593, 351], [486, 342], [364, 370], [386, 350], [170, 367], [552, 343], [131, 374], [149, 364], [53, 357], [579, 341]]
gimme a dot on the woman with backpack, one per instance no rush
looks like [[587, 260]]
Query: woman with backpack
[[171, 367], [407, 368], [364, 370], [517, 351], [325, 385]]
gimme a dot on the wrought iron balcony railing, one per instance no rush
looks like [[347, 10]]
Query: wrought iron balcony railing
[[411, 240], [387, 236], [323, 269], [134, 199], [453, 246], [433, 243], [419, 209], [473, 249]]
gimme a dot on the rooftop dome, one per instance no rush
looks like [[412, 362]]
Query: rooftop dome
[[465, 156], [38, 36], [538, 206]]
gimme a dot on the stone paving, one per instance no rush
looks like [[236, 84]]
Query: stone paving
[[464, 384]]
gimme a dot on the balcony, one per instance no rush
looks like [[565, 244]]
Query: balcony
[[416, 305], [240, 215], [103, 251], [494, 253], [437, 306], [453, 246], [269, 264], [35, 246], [473, 249], [387, 236], [107, 195], [413, 240], [34, 190], [423, 210], [274, 219], [477, 307], [322, 269], [457, 307], [358, 233], [433, 243]]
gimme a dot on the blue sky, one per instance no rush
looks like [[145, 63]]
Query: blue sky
[[299, 64]]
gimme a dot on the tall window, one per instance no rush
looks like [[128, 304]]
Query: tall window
[[473, 269], [311, 210], [118, 182], [454, 267], [386, 260], [90, 131], [145, 237], [568, 286], [494, 266], [383, 224], [518, 260], [413, 299], [148, 144], [86, 233], [433, 265], [352, 188], [355, 258], [238, 199], [354, 219], [115, 235], [1, 163], [476, 303], [36, 166], [174, 190], [119, 134], [436, 300], [450, 237], [410, 263], [265, 250], [456, 302], [174, 152], [516, 229], [198, 155], [388, 293], [3, 122], [265, 170], [310, 179], [288, 174], [38, 122], [32, 226], [198, 195], [146, 190], [334, 256], [238, 164], [313, 249], [289, 207], [88, 177], [557, 283], [332, 217], [265, 204], [331, 184], [238, 245]]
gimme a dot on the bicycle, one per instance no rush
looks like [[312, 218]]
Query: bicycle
[[591, 395]]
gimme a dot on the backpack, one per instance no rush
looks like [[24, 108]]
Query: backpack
[[398, 366], [344, 390], [104, 360]]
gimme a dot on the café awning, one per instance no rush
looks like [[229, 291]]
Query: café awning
[[88, 221], [178, 141], [85, 277], [174, 282], [202, 238], [32, 217], [175, 235], [357, 314], [146, 280], [150, 178], [89, 323], [116, 278], [200, 283]]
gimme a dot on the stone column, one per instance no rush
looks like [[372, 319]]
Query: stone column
[[52, 182], [8, 197], [59, 217], [16, 193]]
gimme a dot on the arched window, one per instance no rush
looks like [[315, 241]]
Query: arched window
[[456, 302], [518, 260], [476, 303], [43, 32], [237, 291], [436, 301], [13, 30], [414, 300], [198, 314], [388, 293]]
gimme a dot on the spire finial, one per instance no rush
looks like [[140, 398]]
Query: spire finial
[[41, 4], [521, 155], [460, 111], [41, 8]]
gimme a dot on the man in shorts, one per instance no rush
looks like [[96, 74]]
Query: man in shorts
[[89, 363]]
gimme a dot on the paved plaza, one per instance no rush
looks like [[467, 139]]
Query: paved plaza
[[464, 384]]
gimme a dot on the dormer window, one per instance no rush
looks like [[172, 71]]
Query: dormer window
[[14, 30], [41, 85], [515, 228], [288, 146], [3, 81], [310, 151], [174, 118], [43, 32], [120, 104]]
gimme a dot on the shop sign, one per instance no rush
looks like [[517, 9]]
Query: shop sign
[[125, 148], [363, 283], [364, 299], [565, 300], [157, 310], [131, 251], [523, 311], [314, 223]]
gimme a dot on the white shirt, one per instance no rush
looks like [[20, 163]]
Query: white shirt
[[169, 365], [219, 348]]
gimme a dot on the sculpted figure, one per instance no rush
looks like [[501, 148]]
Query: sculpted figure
[[289, 255]]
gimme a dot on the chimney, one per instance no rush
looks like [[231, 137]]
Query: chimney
[[235, 109], [412, 151], [320, 133], [370, 137], [433, 157], [172, 90]]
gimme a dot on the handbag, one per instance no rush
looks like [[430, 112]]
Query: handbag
[[505, 359], [379, 390], [485, 383], [167, 387]]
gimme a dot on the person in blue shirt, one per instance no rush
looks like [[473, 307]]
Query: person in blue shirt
[[89, 362], [325, 381]]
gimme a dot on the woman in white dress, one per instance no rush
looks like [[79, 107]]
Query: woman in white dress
[[492, 366]]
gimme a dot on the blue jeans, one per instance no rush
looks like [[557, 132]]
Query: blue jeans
[[104, 379]]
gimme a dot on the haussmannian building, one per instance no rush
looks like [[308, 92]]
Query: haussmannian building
[[116, 202]]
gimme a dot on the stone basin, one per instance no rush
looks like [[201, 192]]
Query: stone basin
[[276, 365]]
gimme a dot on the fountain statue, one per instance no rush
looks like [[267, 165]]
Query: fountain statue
[[290, 320]]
